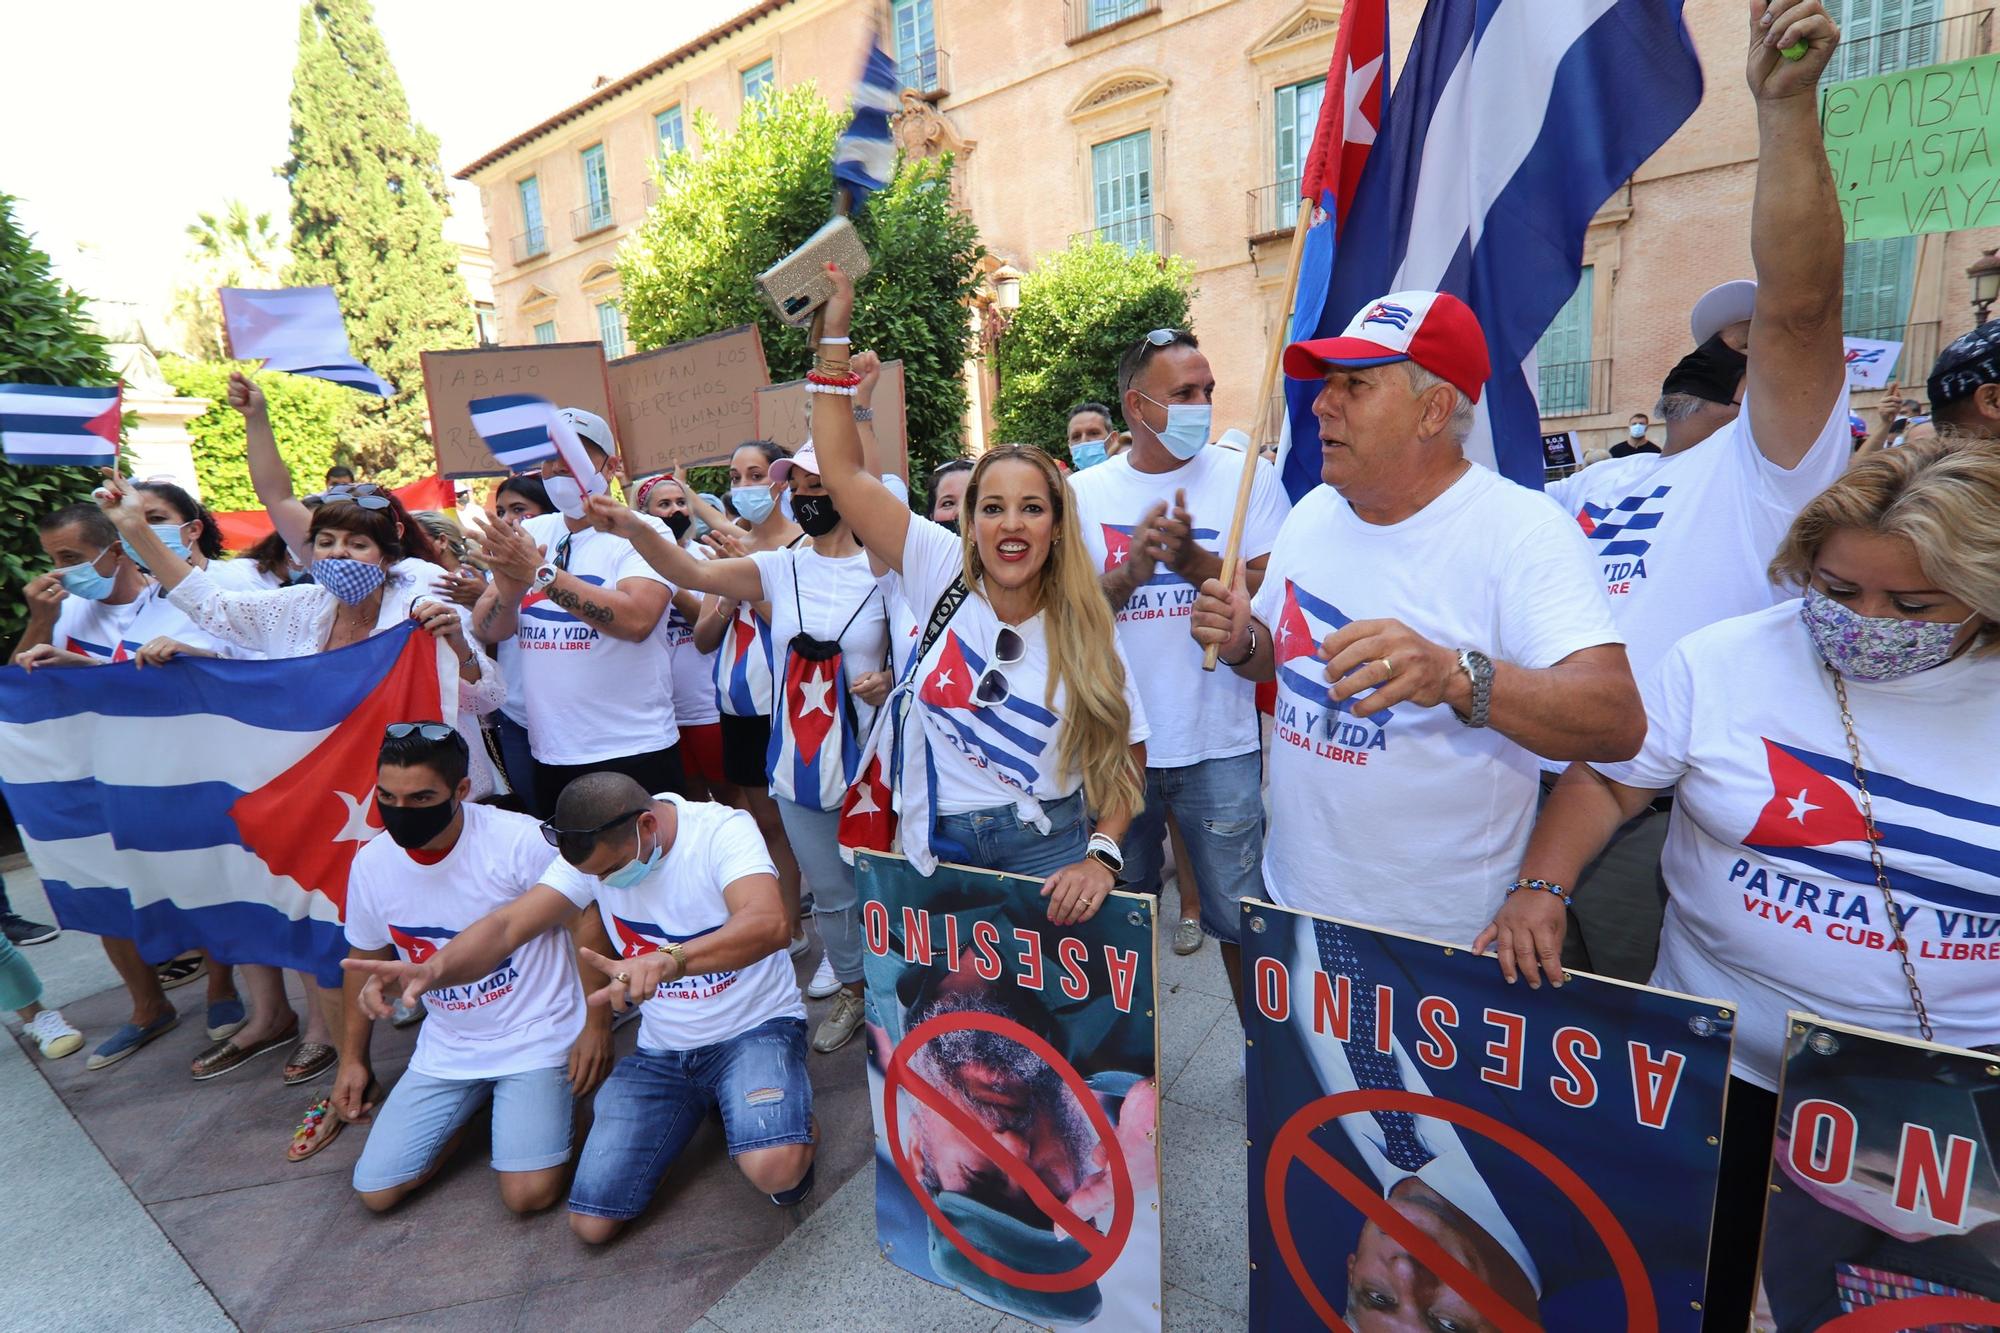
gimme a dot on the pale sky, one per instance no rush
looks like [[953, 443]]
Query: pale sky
[[139, 114]]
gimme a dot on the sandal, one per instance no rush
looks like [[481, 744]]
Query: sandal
[[309, 1061], [320, 1126], [227, 1055], [181, 969]]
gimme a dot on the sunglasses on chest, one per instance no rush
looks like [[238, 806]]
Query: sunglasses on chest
[[1009, 648]]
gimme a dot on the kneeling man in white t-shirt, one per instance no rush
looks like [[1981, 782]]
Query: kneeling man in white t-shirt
[[515, 1032], [1432, 627], [689, 898]]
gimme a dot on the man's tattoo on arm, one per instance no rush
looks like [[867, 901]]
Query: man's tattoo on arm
[[581, 607]]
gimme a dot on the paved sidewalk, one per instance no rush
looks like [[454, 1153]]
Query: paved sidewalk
[[144, 1200]]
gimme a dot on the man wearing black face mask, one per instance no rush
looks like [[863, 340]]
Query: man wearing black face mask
[[518, 1035], [1756, 427]]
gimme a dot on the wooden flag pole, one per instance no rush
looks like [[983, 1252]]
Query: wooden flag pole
[[1280, 335]]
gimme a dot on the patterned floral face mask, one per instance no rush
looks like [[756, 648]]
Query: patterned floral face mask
[[1874, 647]]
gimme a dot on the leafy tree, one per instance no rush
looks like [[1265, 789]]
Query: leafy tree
[[752, 197], [45, 338], [368, 210], [308, 416], [232, 249], [1080, 309]]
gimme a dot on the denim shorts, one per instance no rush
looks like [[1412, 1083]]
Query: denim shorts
[[654, 1101], [532, 1114], [1219, 806], [996, 839]]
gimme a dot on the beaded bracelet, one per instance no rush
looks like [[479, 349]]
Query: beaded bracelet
[[839, 390], [1546, 887], [848, 380]]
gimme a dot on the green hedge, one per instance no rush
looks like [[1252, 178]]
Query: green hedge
[[307, 416]]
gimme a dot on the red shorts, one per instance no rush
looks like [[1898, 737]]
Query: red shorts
[[701, 752]]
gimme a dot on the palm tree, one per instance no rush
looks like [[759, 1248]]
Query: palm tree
[[234, 248]]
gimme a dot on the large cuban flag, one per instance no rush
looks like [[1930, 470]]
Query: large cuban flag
[[1512, 122], [212, 804]]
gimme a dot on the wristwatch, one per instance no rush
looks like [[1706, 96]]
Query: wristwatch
[[544, 576], [1105, 852], [1479, 668], [680, 958], [864, 413]]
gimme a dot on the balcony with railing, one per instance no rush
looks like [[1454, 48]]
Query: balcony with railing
[[1087, 18], [1149, 231], [1274, 209], [531, 244], [1862, 54], [1920, 348], [592, 218], [927, 71], [1574, 388]]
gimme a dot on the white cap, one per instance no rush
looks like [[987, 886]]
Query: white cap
[[1721, 306], [1234, 439], [591, 427]]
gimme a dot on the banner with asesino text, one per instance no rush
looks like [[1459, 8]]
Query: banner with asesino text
[[1013, 1066], [1434, 1148]]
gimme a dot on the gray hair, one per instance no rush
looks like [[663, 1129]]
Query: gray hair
[[1422, 381], [1674, 407]]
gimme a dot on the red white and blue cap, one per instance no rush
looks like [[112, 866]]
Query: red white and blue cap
[[1434, 329]]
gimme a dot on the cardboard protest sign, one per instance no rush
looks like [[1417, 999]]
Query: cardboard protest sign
[[1548, 1158], [1883, 1185], [1559, 451], [1871, 362], [567, 374], [1915, 151], [690, 403], [782, 416], [988, 1027]]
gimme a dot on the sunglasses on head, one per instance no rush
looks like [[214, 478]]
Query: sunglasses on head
[[430, 731], [576, 844], [366, 494]]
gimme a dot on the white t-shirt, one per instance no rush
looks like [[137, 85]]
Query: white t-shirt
[[1409, 820], [1684, 540], [690, 675], [242, 574], [1003, 754], [94, 629], [906, 629], [527, 1012], [1774, 902], [830, 597], [589, 696], [1195, 714], [714, 846], [154, 615]]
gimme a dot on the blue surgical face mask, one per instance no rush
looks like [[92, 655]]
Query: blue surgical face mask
[[1086, 453], [753, 502], [1187, 428], [1638, 431], [170, 537], [84, 581], [634, 871]]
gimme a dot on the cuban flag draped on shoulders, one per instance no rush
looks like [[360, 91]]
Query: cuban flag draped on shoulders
[[1514, 120], [210, 803]]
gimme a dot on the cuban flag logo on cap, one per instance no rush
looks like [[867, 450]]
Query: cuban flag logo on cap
[[1388, 312]]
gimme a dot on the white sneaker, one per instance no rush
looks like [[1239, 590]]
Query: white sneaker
[[800, 943], [55, 1036], [823, 983]]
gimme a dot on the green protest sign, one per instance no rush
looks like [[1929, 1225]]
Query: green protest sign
[[1914, 151]]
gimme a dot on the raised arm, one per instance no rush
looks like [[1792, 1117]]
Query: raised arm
[[1796, 364], [878, 518], [731, 578], [269, 476], [470, 955]]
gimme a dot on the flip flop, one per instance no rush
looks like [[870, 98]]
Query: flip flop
[[224, 1056]]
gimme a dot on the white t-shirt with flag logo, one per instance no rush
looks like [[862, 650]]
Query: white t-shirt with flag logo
[[154, 616], [1684, 540], [1409, 820], [689, 673], [1194, 714], [526, 1013], [1774, 900], [681, 900], [992, 755], [92, 629], [810, 700], [589, 696]]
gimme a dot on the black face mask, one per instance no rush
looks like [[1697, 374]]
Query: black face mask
[[948, 524], [678, 524], [412, 826], [815, 514]]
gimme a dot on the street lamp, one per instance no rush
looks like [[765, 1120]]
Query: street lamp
[[1985, 276], [1007, 287]]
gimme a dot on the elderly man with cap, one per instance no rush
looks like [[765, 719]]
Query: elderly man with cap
[[1432, 627], [1757, 425], [581, 606]]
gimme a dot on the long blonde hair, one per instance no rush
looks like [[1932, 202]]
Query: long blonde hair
[[1940, 495], [1083, 653]]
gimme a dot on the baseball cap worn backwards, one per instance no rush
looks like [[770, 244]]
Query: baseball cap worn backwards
[[1435, 330], [590, 427], [1720, 306], [1966, 363]]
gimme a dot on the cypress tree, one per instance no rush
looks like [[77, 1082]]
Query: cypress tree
[[368, 210]]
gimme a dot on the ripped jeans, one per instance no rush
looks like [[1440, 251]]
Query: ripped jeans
[[654, 1101], [1219, 806]]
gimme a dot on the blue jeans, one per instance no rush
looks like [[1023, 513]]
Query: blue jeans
[[996, 839], [517, 759], [1220, 809], [815, 838], [654, 1102], [532, 1116]]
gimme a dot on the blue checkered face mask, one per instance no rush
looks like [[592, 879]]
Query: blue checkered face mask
[[349, 580]]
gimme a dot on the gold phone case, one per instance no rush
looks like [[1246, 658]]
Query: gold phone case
[[797, 285]]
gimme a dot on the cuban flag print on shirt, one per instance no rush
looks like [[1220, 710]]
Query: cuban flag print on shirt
[[743, 665], [1015, 740], [1302, 625], [635, 938], [418, 944], [233, 825]]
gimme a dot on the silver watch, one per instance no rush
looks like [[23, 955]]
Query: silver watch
[[1478, 667]]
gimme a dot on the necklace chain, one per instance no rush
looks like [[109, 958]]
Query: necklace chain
[[1875, 856]]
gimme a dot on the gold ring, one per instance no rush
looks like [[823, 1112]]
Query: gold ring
[[621, 978], [1388, 668]]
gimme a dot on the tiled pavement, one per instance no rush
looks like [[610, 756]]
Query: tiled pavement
[[139, 1199]]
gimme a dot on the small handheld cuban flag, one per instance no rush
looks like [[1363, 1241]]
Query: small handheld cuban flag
[[298, 330], [53, 424], [524, 431], [865, 156]]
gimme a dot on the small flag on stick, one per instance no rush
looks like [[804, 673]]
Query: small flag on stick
[[522, 431], [52, 424], [298, 330]]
